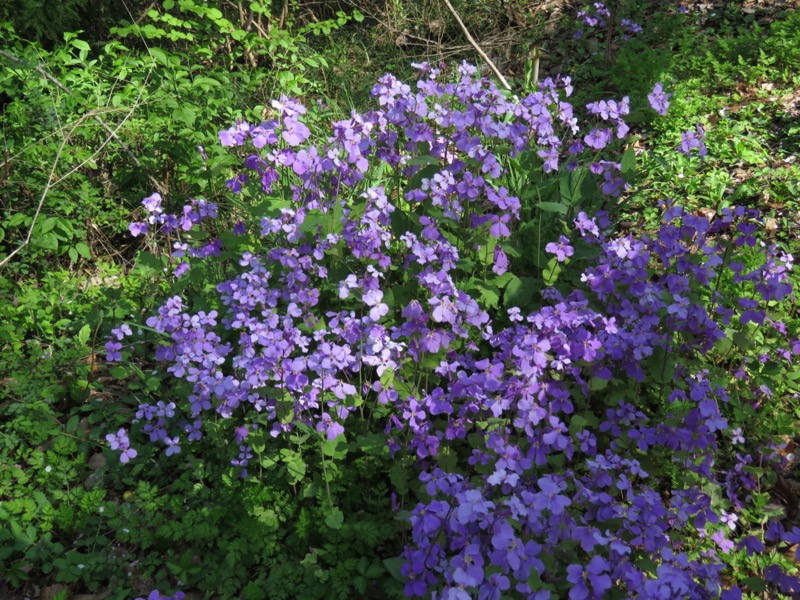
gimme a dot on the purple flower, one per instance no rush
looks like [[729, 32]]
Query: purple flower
[[590, 582], [598, 138], [173, 446], [693, 140], [659, 100], [113, 351], [444, 311], [294, 132], [550, 497], [127, 455], [562, 249], [138, 229]]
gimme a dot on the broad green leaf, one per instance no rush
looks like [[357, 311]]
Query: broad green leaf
[[395, 567], [334, 519], [552, 207], [596, 384], [519, 292], [387, 378], [159, 54], [552, 271], [628, 161], [48, 241], [118, 372]]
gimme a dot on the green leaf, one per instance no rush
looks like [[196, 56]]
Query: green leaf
[[552, 207], [185, 115], [552, 271], [82, 249], [490, 297], [424, 160], [336, 448], [168, 4], [754, 584], [118, 372], [387, 379], [742, 340], [661, 366], [486, 252], [519, 292], [395, 567], [81, 45], [399, 479], [47, 225], [628, 161], [596, 384], [373, 444], [159, 56], [296, 468], [48, 241], [84, 333], [335, 519]]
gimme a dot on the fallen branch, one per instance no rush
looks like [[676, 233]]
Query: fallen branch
[[157, 184], [479, 50], [51, 178]]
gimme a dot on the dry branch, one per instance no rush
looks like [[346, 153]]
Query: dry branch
[[157, 184]]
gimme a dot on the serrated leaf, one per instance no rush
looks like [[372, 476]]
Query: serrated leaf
[[399, 479], [296, 469], [552, 271], [387, 378], [491, 298], [335, 519]]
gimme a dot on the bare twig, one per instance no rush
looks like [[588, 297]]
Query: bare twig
[[47, 187], [157, 184], [478, 49], [51, 180]]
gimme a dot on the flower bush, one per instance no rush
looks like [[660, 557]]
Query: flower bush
[[443, 274]]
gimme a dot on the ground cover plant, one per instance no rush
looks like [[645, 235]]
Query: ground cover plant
[[439, 299]]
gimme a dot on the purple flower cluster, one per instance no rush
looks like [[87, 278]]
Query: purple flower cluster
[[693, 139], [156, 595], [552, 416], [516, 511], [597, 16], [659, 100], [193, 213], [119, 441]]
